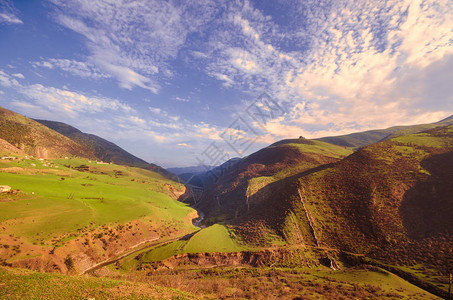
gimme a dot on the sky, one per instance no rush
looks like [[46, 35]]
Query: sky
[[182, 83]]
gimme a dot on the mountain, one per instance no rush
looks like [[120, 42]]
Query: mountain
[[361, 139], [102, 149], [228, 193], [190, 170], [48, 139], [390, 201], [27, 136], [63, 211]]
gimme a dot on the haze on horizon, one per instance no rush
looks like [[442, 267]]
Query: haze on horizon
[[164, 80]]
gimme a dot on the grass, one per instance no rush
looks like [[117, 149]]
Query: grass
[[213, 283], [163, 252], [435, 138], [216, 238], [323, 148], [54, 206], [314, 147], [24, 284], [57, 204], [422, 139], [425, 274]]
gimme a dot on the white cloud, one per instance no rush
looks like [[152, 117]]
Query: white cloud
[[71, 102], [204, 130], [19, 75], [127, 77], [6, 80], [67, 102], [77, 68], [184, 145], [8, 13], [133, 41], [182, 99], [9, 19], [155, 110], [353, 65]]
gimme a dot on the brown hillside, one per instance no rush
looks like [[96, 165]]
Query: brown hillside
[[35, 139], [391, 200], [236, 193]]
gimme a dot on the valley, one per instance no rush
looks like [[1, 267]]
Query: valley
[[299, 218]]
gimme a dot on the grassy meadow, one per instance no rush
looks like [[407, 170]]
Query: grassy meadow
[[55, 201]]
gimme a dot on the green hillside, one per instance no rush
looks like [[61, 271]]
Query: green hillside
[[361, 139], [298, 203], [85, 210], [25, 284]]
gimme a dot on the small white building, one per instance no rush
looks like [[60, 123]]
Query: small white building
[[5, 188]]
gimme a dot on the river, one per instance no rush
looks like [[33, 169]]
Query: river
[[200, 219]]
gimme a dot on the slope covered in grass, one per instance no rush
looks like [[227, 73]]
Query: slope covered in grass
[[390, 201], [215, 238], [83, 209], [361, 139]]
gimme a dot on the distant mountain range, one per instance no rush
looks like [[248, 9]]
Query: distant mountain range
[[361, 139], [49, 139], [190, 170]]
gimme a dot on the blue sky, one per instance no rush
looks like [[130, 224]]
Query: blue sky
[[167, 79]]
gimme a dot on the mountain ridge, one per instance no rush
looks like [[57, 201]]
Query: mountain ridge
[[390, 200], [103, 149], [36, 139], [364, 138]]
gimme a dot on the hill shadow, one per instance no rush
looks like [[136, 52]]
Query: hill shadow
[[427, 208]]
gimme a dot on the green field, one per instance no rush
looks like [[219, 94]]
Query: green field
[[216, 238], [323, 148], [423, 139], [52, 204], [239, 283], [71, 203]]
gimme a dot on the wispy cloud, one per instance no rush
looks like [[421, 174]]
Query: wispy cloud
[[62, 101], [349, 66], [7, 80], [8, 13], [133, 41], [184, 145], [182, 99], [19, 75], [77, 68]]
